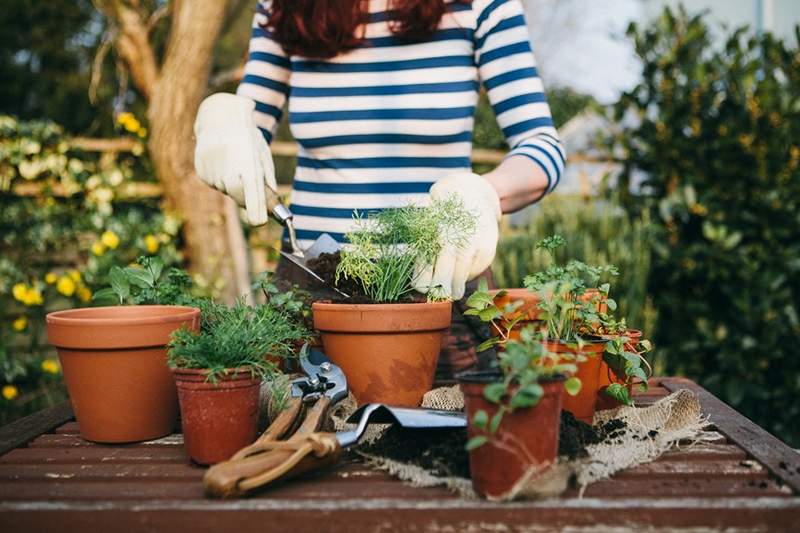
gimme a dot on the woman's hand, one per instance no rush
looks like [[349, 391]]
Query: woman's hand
[[231, 154], [455, 266]]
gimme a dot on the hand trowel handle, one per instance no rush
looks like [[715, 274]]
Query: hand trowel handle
[[284, 217]]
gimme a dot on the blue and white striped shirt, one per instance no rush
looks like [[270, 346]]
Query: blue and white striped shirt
[[378, 125]]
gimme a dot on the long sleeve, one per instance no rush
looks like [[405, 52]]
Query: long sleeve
[[507, 68], [266, 75]]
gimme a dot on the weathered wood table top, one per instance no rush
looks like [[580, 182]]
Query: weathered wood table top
[[52, 480]]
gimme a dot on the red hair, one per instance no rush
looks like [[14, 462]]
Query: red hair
[[326, 28]]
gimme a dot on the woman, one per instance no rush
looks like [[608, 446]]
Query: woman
[[381, 98]]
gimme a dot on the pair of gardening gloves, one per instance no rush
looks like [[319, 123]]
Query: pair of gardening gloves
[[232, 156]]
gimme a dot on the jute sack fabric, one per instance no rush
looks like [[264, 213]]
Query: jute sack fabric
[[649, 432]]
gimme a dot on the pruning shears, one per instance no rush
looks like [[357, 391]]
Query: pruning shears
[[292, 444]]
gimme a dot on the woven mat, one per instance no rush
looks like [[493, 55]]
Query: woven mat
[[675, 420]]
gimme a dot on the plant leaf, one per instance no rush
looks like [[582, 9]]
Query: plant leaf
[[480, 419], [140, 277], [572, 386], [476, 442], [495, 423], [494, 392]]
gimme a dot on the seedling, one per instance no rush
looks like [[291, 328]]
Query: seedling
[[146, 283], [482, 304]]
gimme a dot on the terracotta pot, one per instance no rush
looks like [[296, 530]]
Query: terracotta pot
[[114, 362], [531, 433], [387, 351], [529, 310], [218, 419], [608, 376], [583, 404]]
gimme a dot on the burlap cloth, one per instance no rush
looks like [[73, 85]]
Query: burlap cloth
[[649, 432]]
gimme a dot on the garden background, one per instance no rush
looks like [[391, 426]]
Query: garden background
[[690, 183]]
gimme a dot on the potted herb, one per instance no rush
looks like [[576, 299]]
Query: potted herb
[[514, 414], [624, 364], [572, 300], [386, 341], [218, 372], [114, 358]]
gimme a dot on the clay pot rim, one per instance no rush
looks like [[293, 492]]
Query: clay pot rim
[[241, 373], [495, 376], [632, 334], [589, 345], [385, 307], [161, 314]]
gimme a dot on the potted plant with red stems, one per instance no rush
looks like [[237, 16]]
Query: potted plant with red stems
[[514, 413], [114, 357], [386, 341], [218, 372]]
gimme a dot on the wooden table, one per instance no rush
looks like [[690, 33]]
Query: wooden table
[[50, 479]]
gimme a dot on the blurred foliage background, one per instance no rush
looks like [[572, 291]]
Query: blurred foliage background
[[702, 220]]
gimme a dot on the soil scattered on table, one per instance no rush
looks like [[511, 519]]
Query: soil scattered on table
[[325, 267], [441, 451]]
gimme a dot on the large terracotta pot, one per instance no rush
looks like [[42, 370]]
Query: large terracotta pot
[[583, 404], [218, 419], [528, 311], [387, 351], [608, 376], [114, 362], [526, 440]]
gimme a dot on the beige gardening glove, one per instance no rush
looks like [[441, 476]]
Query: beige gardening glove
[[455, 266], [231, 154]]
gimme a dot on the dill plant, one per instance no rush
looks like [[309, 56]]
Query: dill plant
[[239, 336], [389, 248]]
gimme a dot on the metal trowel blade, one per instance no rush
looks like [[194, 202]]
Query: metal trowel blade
[[325, 244]]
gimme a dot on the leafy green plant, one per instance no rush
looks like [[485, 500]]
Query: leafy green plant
[[627, 360], [523, 366], [481, 304], [388, 248], [716, 141], [146, 283], [294, 301], [239, 336]]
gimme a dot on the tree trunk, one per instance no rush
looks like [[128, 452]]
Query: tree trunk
[[212, 231]]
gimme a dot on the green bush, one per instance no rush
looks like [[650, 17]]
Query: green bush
[[717, 133], [597, 233]]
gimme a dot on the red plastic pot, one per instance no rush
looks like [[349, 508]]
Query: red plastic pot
[[583, 404], [387, 351], [115, 367], [218, 419], [608, 376], [526, 441]]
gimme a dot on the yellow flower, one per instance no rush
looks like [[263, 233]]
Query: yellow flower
[[20, 324], [19, 291], [151, 243], [66, 286], [74, 275], [10, 392], [123, 118], [50, 278], [84, 293], [98, 248], [142, 133], [33, 297], [50, 366], [110, 239]]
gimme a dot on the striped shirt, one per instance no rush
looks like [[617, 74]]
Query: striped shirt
[[378, 125]]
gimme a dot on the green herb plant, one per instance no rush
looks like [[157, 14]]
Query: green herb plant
[[147, 283], [294, 301], [627, 359], [236, 337], [388, 249], [523, 365], [481, 304]]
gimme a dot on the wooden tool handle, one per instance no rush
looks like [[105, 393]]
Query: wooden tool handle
[[268, 460]]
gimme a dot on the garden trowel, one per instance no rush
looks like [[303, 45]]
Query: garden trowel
[[324, 243]]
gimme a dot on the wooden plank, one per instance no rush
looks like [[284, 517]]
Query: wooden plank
[[673, 469], [60, 440], [704, 452], [20, 432], [99, 454], [378, 514], [694, 487], [781, 460]]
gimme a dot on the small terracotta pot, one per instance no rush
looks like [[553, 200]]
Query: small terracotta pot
[[608, 376], [218, 419], [114, 362], [529, 310], [583, 404], [387, 351], [529, 436]]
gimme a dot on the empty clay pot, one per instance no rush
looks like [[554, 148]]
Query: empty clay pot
[[114, 362], [583, 404], [529, 310], [608, 376], [526, 441], [387, 351], [218, 419]]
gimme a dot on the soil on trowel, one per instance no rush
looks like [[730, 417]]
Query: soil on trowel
[[325, 267], [441, 451]]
